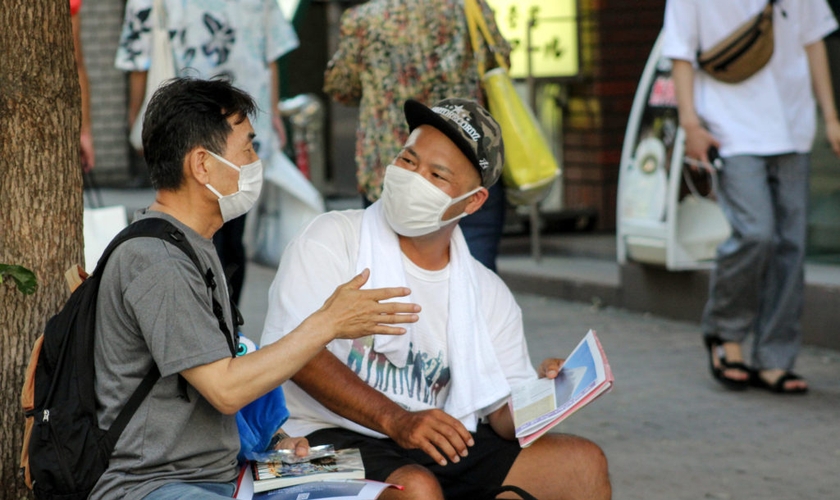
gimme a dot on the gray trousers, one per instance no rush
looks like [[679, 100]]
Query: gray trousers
[[758, 282]]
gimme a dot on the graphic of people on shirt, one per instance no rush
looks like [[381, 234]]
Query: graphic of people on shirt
[[422, 378]]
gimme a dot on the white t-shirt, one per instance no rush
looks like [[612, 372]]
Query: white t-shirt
[[771, 112], [322, 258]]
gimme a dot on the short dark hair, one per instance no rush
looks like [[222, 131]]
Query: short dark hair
[[185, 113]]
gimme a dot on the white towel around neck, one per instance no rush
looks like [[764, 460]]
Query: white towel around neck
[[477, 378]]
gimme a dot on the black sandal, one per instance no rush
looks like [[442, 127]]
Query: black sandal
[[714, 346], [779, 386]]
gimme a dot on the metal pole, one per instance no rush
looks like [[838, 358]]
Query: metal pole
[[532, 85], [536, 252], [534, 212]]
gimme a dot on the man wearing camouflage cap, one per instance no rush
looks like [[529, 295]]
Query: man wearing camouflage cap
[[428, 409]]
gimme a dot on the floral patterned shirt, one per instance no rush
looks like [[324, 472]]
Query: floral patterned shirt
[[235, 38], [393, 50]]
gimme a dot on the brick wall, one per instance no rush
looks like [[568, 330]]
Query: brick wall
[[616, 39], [101, 22]]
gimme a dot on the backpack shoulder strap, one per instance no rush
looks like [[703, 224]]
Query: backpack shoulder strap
[[127, 411], [152, 227], [156, 227]]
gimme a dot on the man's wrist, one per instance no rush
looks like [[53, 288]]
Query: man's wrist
[[320, 325], [276, 438], [388, 419]]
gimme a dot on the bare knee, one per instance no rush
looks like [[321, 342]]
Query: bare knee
[[596, 459], [418, 482], [559, 466], [594, 470]]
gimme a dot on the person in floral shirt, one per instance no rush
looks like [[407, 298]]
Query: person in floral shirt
[[393, 50]]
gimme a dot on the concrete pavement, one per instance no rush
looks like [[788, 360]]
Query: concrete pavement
[[669, 431]]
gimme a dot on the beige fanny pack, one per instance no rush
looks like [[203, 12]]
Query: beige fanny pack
[[744, 52]]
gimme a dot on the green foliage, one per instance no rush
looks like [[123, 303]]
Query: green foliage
[[25, 279]]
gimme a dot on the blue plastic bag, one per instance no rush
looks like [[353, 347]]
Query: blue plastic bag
[[259, 420]]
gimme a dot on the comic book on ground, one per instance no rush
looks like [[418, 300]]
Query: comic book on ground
[[540, 405]]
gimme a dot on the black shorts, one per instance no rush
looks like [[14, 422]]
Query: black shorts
[[484, 469]]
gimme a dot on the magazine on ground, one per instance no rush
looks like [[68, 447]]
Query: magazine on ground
[[345, 464], [349, 489], [539, 405]]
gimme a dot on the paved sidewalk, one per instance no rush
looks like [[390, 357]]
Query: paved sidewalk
[[669, 431]]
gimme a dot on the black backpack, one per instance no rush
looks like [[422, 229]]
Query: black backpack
[[64, 450]]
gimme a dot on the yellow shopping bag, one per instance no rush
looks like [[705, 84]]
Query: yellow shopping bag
[[530, 167]]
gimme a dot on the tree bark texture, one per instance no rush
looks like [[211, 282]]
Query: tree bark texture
[[40, 194]]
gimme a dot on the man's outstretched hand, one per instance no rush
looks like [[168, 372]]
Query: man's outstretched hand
[[353, 312]]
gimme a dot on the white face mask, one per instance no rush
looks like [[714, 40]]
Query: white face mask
[[250, 184], [414, 206]]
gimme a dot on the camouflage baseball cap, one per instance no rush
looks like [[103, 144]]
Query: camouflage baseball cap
[[470, 127]]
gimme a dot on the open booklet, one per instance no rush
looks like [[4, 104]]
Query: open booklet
[[540, 405], [343, 464], [325, 474]]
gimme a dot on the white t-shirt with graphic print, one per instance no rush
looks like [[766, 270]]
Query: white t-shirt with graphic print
[[322, 258]]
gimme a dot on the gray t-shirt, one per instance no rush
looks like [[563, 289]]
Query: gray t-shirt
[[154, 307]]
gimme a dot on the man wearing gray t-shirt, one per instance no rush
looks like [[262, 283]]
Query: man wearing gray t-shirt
[[155, 308]]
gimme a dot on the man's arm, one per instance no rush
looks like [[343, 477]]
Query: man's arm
[[88, 155], [697, 138], [231, 383], [501, 421], [821, 78], [436, 433], [276, 119], [136, 94]]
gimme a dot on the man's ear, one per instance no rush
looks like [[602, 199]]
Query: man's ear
[[476, 200], [195, 165]]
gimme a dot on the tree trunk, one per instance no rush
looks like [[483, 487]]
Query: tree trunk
[[40, 193]]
